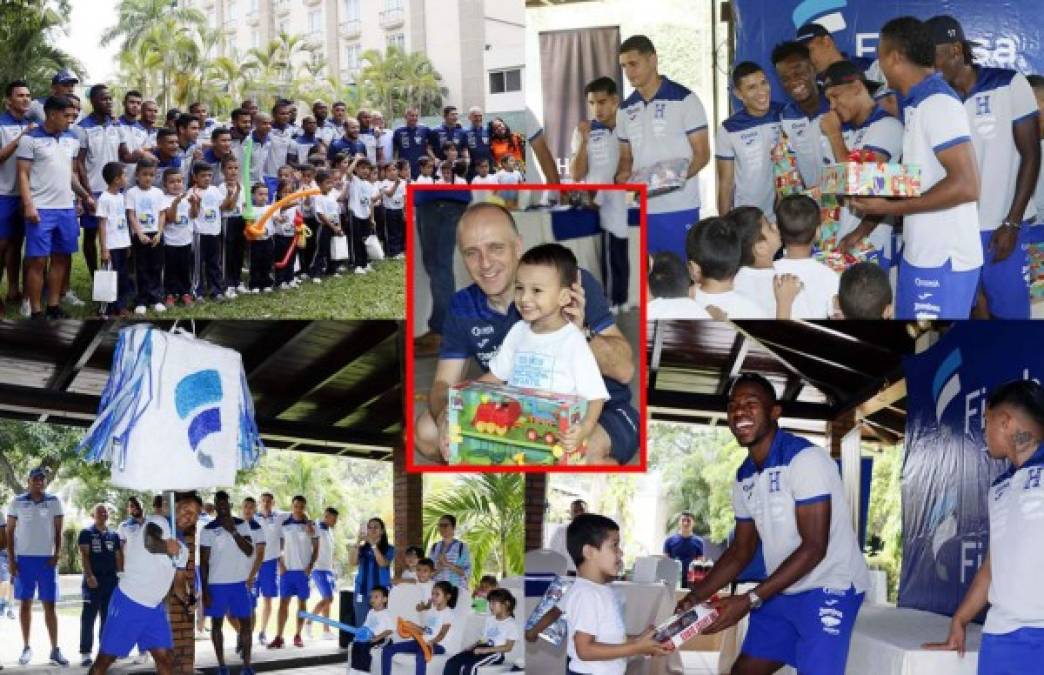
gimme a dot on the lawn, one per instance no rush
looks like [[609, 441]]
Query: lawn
[[379, 295]]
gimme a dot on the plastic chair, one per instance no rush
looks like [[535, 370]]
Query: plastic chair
[[546, 561]]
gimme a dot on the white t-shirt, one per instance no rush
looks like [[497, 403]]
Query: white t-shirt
[[747, 142], [509, 177], [237, 209], [484, 195], [327, 205], [595, 610], [559, 362], [733, 303], [816, 299], [425, 589], [397, 200], [935, 120], [603, 156], [209, 219], [379, 620], [297, 542], [270, 524], [797, 473], [409, 575], [34, 529], [228, 564], [497, 632], [424, 180], [434, 620], [128, 528], [360, 198], [659, 130], [113, 209], [675, 308], [324, 561], [283, 222], [146, 205], [1016, 548], [147, 576], [758, 285], [177, 232]]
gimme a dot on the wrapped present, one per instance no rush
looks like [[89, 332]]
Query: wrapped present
[[683, 627], [839, 260], [556, 632], [785, 172], [861, 175], [664, 176], [498, 424], [1036, 254], [829, 218]]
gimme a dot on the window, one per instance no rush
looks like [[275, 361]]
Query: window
[[397, 40], [504, 81], [392, 4], [352, 57], [256, 39], [352, 12], [315, 20], [252, 6]]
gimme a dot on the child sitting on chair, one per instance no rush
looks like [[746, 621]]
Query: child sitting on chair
[[436, 625], [380, 624]]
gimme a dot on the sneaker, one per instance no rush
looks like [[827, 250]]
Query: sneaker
[[266, 289], [57, 659], [160, 307], [276, 643], [317, 280], [187, 300], [141, 659], [86, 661], [262, 639], [255, 291], [399, 256], [200, 300], [230, 294], [358, 270], [303, 276], [169, 301], [26, 657], [298, 642], [70, 299], [329, 635], [369, 267], [284, 286], [26, 309], [242, 288], [10, 613], [140, 310]]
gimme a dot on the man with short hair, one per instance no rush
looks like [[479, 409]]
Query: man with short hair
[[384, 137], [219, 148], [350, 143], [99, 135], [14, 124], [476, 140], [324, 127], [323, 575], [824, 53], [242, 124], [410, 141], [135, 136], [806, 104], [266, 583], [189, 149], [558, 539], [101, 559], [684, 545], [661, 120], [300, 541], [34, 545], [366, 135], [206, 124], [62, 84], [339, 115], [448, 131]]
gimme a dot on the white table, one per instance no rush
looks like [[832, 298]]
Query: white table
[[887, 641], [877, 593]]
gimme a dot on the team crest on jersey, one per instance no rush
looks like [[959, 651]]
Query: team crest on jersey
[[659, 110]]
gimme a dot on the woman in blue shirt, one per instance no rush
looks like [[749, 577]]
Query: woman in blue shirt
[[451, 555], [374, 556]]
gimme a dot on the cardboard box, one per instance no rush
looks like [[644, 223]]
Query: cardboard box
[[880, 179], [498, 424], [683, 627]]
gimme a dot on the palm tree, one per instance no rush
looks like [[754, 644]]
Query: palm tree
[[136, 18], [490, 515], [28, 37], [379, 78], [422, 85]]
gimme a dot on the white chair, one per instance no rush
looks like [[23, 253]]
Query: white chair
[[668, 570], [465, 631], [546, 561], [645, 570], [516, 657]]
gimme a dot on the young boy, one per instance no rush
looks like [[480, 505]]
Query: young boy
[[380, 622], [427, 171], [509, 175], [206, 223], [393, 189], [483, 177], [425, 572], [798, 217], [284, 232], [305, 255], [327, 213], [865, 293], [359, 197], [114, 237], [597, 640], [177, 239], [546, 351], [233, 202], [146, 218], [261, 249], [669, 286], [759, 243], [411, 557], [713, 249]]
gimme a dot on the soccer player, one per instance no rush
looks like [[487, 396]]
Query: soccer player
[[266, 584], [366, 135], [339, 116], [258, 537], [62, 84], [134, 137], [384, 138], [824, 53], [220, 148], [349, 143], [101, 559], [206, 124], [448, 131], [34, 545], [744, 144], [942, 251], [661, 120], [410, 142], [99, 136], [300, 549], [324, 127], [189, 149], [799, 118], [1002, 116], [323, 575], [788, 496], [14, 124], [242, 124]]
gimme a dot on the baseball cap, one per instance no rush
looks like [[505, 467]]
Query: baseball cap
[[844, 72], [38, 472], [944, 30], [64, 77], [810, 31]]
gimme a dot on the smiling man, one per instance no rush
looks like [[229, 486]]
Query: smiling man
[[787, 495], [800, 117]]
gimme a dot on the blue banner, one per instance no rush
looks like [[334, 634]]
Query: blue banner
[[946, 471], [1010, 32]]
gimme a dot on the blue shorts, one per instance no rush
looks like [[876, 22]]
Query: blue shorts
[[11, 223], [128, 624], [35, 571], [266, 584], [293, 582], [89, 221], [667, 231], [56, 232], [325, 583], [1011, 653], [810, 631], [1006, 284], [621, 424], [934, 292], [231, 599]]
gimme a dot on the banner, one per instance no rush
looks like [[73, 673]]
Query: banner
[[1010, 32], [946, 471]]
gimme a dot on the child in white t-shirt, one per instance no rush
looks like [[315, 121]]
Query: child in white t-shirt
[[206, 223], [146, 219], [393, 190], [798, 217], [509, 175], [328, 215], [669, 288], [262, 248], [758, 278], [499, 636], [305, 255], [233, 203], [359, 196], [425, 571], [483, 177], [437, 622], [713, 246], [427, 172], [380, 623], [114, 237], [284, 232], [177, 239], [411, 557], [544, 350]]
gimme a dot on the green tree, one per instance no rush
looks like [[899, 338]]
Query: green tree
[[25, 445], [29, 37], [137, 18], [394, 81]]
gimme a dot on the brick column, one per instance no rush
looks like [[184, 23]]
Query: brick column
[[408, 500], [836, 430], [182, 625], [536, 508]]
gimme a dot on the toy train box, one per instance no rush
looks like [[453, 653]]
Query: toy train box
[[498, 424], [683, 627], [664, 176], [869, 178]]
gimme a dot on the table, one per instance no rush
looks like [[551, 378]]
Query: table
[[887, 641], [877, 593]]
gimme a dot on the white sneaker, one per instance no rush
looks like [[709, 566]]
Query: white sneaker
[[255, 291], [140, 310], [329, 635], [303, 276], [159, 307], [284, 286], [26, 657], [295, 284], [242, 288], [399, 256], [369, 268], [230, 294], [317, 280], [266, 289], [141, 659], [308, 630], [359, 270], [70, 299], [26, 310]]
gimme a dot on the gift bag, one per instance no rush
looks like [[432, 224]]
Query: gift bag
[[105, 285], [373, 247], [339, 247]]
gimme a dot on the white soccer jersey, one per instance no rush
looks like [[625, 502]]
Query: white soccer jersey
[[747, 142], [209, 219], [273, 537], [10, 128], [50, 178], [603, 156], [147, 576], [1000, 99], [133, 136], [934, 119], [659, 130], [297, 542], [34, 529], [821, 284], [177, 232], [128, 528], [1016, 506], [805, 139], [228, 564], [794, 474], [113, 209], [324, 561], [282, 147], [101, 140], [146, 205]]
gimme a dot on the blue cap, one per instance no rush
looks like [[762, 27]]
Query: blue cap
[[64, 77], [38, 472], [810, 31]]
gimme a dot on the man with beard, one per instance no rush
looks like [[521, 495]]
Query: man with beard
[[788, 496], [14, 123], [242, 124], [99, 136]]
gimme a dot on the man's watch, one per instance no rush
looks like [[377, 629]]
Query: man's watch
[[755, 600]]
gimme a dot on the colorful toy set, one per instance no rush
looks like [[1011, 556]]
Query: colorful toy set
[[861, 175], [664, 176], [839, 260], [784, 169], [497, 424], [683, 627]]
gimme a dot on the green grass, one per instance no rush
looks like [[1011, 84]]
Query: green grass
[[379, 295]]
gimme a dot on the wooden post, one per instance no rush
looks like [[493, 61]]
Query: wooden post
[[536, 509], [182, 623], [408, 500], [836, 430]]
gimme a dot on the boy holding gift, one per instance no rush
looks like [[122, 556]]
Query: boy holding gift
[[798, 217]]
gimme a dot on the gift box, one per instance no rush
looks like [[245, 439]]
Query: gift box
[[1036, 253], [498, 424], [860, 175], [683, 627], [839, 261], [785, 173], [829, 218], [664, 176], [556, 632]]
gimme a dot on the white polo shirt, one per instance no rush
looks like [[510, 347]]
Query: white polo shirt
[[594, 609], [659, 130], [50, 178], [1000, 99], [34, 529], [297, 542], [747, 142], [805, 138], [128, 528], [273, 537], [228, 564], [101, 140], [935, 120], [324, 561], [146, 205], [1016, 507], [603, 156], [10, 129], [147, 576], [796, 473], [134, 137]]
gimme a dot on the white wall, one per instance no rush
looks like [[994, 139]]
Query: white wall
[[505, 34]]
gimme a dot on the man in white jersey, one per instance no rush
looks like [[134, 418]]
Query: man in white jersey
[[283, 148], [99, 136], [300, 550], [857, 122], [942, 254], [1009, 579], [34, 545], [226, 559], [825, 53], [1037, 83], [743, 152], [266, 583], [135, 520], [661, 120], [134, 136], [260, 541], [788, 496], [323, 575], [1002, 115], [62, 84], [806, 104], [596, 154], [14, 123]]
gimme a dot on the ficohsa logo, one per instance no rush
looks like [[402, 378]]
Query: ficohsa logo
[[946, 384], [825, 12], [199, 395]]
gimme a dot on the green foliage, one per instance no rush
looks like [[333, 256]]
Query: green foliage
[[396, 80], [69, 560], [884, 521], [30, 34], [26, 445]]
